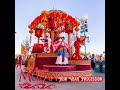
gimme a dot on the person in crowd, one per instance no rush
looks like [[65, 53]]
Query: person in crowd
[[104, 58], [97, 58], [93, 60], [100, 58]]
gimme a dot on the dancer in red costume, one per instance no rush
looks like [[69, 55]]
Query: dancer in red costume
[[77, 45]]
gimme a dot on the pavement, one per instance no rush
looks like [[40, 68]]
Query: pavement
[[64, 85]]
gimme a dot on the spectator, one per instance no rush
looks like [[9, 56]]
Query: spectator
[[97, 58], [93, 60], [100, 58]]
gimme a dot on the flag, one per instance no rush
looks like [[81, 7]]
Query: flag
[[23, 50]]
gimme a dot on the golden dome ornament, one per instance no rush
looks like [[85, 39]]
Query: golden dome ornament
[[44, 13]]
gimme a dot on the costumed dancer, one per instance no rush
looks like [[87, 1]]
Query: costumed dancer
[[47, 43], [77, 45], [62, 46]]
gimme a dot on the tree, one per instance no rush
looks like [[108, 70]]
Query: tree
[[26, 43]]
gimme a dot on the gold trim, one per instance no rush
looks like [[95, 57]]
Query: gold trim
[[79, 62], [56, 75], [43, 55]]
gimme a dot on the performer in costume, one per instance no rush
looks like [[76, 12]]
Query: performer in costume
[[47, 44], [62, 46]]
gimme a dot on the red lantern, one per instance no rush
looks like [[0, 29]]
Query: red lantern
[[40, 17], [61, 24], [64, 15], [38, 32], [72, 20], [69, 17], [69, 28], [51, 14], [51, 23], [57, 14], [75, 22], [35, 20]]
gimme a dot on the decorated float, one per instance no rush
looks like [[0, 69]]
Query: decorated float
[[51, 53]]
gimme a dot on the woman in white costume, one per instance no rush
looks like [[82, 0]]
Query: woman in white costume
[[62, 58]]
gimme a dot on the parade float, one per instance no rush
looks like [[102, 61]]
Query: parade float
[[47, 27]]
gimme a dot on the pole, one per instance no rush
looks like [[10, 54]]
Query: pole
[[85, 43], [52, 39], [69, 39]]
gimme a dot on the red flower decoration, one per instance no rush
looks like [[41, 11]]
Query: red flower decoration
[[64, 15], [69, 17], [51, 14], [57, 14], [40, 17]]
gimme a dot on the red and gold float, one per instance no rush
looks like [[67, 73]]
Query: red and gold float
[[55, 22]]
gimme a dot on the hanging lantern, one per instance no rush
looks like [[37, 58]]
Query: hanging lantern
[[78, 23], [51, 15], [75, 23], [69, 17], [57, 14], [51, 24], [38, 32], [64, 15], [72, 20], [77, 29], [69, 28]]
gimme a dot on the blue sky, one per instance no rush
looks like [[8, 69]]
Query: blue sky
[[27, 10]]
